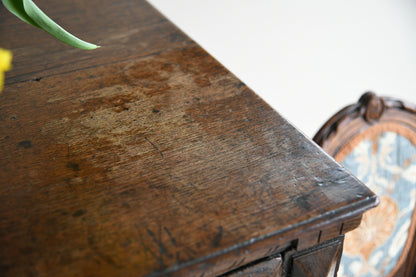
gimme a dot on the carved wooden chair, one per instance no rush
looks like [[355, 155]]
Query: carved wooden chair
[[376, 140]]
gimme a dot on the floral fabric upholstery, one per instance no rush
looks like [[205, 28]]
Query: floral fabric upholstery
[[386, 163]]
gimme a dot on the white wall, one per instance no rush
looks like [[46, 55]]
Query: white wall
[[307, 59]]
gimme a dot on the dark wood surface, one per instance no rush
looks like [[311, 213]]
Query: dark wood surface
[[322, 260], [147, 157], [271, 267]]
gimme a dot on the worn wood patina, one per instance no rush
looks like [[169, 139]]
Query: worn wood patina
[[147, 157]]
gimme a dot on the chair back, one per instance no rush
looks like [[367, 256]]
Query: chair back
[[375, 139]]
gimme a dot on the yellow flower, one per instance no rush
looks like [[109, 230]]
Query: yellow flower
[[5, 64]]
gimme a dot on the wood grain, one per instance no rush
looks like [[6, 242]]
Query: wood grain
[[147, 157], [269, 268], [125, 30], [321, 261]]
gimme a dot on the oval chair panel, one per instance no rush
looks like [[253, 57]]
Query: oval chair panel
[[375, 140]]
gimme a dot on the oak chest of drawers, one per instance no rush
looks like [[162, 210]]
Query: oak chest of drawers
[[147, 157]]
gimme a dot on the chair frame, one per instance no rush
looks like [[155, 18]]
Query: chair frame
[[348, 123]]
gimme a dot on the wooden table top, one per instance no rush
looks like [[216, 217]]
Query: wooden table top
[[146, 156]]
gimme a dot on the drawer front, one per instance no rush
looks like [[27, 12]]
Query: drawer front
[[320, 261], [268, 268]]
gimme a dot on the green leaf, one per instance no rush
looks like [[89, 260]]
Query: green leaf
[[16, 8], [27, 11]]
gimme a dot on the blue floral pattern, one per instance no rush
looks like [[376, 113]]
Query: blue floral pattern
[[387, 165]]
